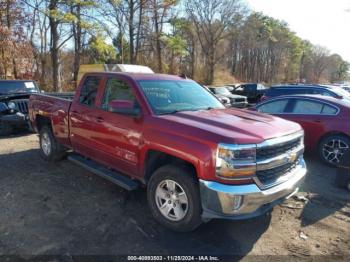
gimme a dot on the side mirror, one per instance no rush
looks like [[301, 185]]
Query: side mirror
[[124, 107]]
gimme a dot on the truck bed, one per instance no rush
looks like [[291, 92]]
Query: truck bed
[[52, 107], [64, 95]]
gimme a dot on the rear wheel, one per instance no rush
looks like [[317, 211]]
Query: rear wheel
[[332, 148], [173, 197], [50, 149]]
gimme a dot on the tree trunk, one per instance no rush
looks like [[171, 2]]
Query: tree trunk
[[211, 66], [77, 33], [157, 32], [131, 32], [54, 47]]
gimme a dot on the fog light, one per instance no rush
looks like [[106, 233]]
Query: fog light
[[237, 202]]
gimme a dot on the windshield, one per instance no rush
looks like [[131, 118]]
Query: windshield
[[11, 87], [166, 97], [222, 91]]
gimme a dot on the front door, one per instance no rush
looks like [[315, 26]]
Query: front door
[[120, 136]]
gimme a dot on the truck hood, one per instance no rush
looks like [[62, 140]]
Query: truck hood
[[228, 125]]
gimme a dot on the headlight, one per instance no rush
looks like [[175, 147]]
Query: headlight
[[11, 105], [234, 162]]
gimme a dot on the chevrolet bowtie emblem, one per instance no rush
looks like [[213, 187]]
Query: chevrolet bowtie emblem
[[292, 157]]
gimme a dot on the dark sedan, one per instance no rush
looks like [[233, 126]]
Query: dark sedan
[[326, 122]]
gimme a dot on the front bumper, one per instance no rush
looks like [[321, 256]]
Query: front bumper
[[246, 201]]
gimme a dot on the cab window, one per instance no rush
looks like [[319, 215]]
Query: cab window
[[89, 90], [274, 107], [116, 90]]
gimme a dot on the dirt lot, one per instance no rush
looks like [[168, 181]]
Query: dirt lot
[[63, 209]]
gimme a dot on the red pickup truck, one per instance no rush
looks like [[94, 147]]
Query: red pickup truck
[[198, 159]]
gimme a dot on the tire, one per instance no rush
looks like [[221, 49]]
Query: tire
[[50, 149], [5, 129], [338, 144], [185, 182]]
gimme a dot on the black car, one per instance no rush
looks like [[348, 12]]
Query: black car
[[14, 95], [282, 90], [253, 91]]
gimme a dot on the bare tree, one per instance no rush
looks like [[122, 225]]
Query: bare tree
[[212, 19]]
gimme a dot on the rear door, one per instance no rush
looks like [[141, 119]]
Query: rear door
[[84, 122], [120, 136]]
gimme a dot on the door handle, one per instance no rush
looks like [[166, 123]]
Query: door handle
[[99, 119], [75, 112], [317, 121]]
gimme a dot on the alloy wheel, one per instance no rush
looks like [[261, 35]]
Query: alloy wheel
[[171, 200], [334, 150]]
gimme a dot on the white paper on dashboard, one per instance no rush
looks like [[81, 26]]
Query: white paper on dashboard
[[29, 85]]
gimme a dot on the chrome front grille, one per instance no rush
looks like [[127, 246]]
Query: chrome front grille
[[270, 176], [278, 158], [21, 105], [276, 150]]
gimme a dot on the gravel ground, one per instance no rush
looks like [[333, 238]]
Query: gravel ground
[[57, 209]]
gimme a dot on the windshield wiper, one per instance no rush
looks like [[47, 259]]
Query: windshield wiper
[[169, 112]]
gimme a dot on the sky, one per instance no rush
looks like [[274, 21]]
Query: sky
[[323, 22]]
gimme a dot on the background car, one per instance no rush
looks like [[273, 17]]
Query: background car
[[223, 99], [325, 120], [253, 91], [235, 100], [324, 90], [14, 95]]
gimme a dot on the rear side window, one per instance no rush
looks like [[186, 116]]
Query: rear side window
[[329, 110], [117, 90], [313, 108], [307, 107], [274, 107], [89, 90]]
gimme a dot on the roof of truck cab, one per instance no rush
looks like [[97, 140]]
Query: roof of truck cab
[[142, 76]]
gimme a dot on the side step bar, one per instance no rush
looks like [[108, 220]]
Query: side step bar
[[100, 170]]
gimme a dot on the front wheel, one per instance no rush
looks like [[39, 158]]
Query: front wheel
[[173, 197], [332, 148], [50, 149]]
